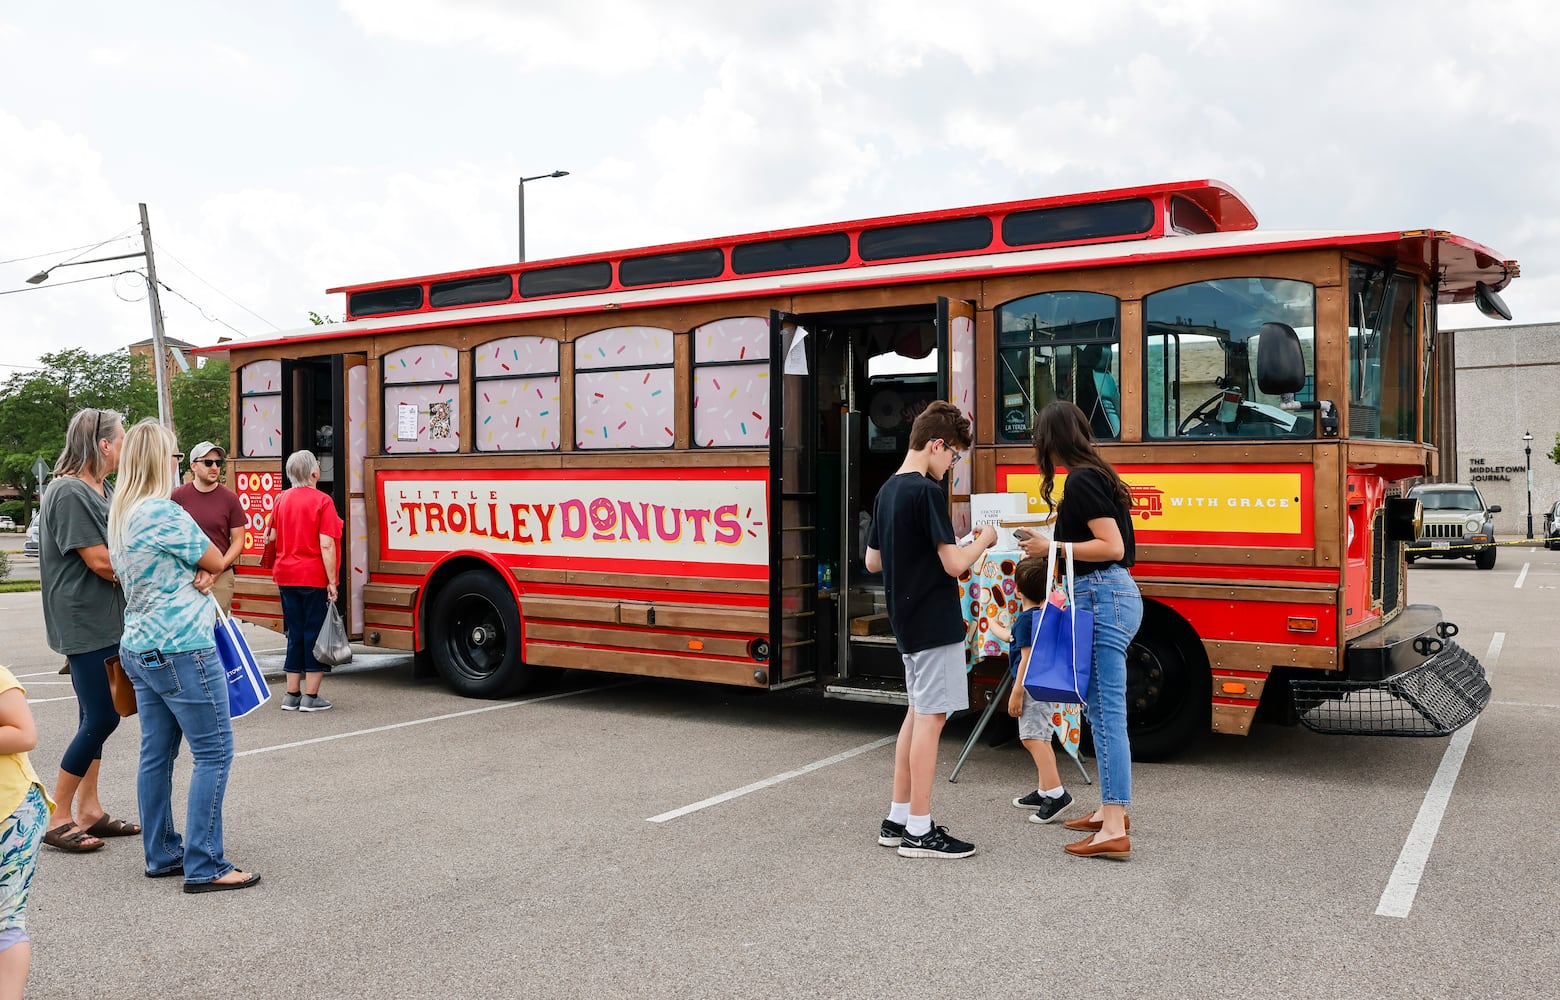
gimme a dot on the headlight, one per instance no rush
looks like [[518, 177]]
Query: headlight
[[1474, 524]]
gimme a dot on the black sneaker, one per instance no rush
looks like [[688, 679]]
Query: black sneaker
[[1034, 800], [1050, 809], [934, 843], [891, 833]]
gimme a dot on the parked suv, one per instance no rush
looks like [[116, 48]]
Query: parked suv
[[1552, 527], [1457, 524], [30, 546], [7, 523]]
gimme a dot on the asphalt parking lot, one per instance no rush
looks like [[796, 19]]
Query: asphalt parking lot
[[620, 838]]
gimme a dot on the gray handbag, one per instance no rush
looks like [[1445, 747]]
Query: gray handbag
[[332, 647]]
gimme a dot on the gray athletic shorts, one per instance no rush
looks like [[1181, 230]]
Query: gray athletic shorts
[[1035, 722], [936, 680]]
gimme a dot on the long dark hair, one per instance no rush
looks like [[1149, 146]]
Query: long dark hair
[[1063, 437]]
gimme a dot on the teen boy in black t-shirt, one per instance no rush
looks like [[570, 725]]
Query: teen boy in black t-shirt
[[912, 542]]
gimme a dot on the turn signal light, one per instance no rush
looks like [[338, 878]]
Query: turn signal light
[[1234, 687], [1302, 624]]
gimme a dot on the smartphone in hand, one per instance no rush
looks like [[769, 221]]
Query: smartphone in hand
[[1023, 534]]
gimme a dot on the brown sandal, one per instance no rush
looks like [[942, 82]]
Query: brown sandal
[[71, 843], [108, 827]]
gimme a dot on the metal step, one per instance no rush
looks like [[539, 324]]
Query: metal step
[[881, 695]]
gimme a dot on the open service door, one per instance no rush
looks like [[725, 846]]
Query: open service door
[[793, 503]]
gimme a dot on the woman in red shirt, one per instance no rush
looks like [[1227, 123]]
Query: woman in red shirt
[[307, 532]]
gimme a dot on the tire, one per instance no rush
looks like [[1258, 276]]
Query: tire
[[1409, 557], [474, 637], [1485, 559], [1168, 690]]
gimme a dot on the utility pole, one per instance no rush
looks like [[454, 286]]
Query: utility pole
[[159, 351]]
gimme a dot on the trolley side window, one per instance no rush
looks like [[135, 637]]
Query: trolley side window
[[422, 400], [516, 393], [624, 389], [1058, 345], [731, 383]]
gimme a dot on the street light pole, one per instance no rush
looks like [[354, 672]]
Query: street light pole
[[538, 177], [159, 352], [1527, 449]]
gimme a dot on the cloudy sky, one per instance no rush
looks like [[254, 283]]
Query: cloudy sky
[[291, 146]]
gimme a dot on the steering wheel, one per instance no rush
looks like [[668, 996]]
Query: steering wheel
[[1202, 411]]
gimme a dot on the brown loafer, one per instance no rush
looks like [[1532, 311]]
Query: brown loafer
[[1083, 824], [1117, 848]]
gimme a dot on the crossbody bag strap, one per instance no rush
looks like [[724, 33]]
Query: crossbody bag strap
[[1072, 609]]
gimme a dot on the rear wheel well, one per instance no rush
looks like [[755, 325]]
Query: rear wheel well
[[446, 572], [1169, 685]]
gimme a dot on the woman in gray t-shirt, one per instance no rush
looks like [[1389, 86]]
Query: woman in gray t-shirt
[[83, 615]]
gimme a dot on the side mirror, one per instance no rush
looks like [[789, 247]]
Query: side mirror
[[1280, 362], [1495, 509], [1489, 302]]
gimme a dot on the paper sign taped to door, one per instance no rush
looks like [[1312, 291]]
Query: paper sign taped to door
[[796, 355]]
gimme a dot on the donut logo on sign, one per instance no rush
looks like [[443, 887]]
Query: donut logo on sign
[[603, 517]]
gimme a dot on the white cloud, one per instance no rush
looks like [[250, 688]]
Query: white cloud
[[290, 152]]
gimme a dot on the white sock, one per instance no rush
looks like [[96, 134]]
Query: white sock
[[898, 812], [917, 826], [1052, 793]]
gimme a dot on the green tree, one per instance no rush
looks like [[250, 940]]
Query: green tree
[[36, 406]]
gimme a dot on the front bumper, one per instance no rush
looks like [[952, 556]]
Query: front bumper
[[1406, 679], [1450, 548]]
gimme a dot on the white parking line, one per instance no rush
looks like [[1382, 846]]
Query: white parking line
[[45, 701], [1522, 575], [1398, 897], [432, 718], [1524, 704], [768, 782]]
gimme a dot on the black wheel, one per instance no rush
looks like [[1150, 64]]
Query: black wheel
[[1485, 559], [474, 637], [1168, 691], [1409, 558]]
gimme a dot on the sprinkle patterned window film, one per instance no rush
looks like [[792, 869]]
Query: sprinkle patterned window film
[[422, 400], [260, 409], [731, 383], [516, 399], [624, 393]]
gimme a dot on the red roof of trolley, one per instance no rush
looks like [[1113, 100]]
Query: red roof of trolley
[[1143, 235]]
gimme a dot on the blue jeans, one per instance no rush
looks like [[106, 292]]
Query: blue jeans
[[1112, 595], [185, 695], [303, 615]]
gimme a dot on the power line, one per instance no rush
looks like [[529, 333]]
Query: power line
[[52, 253], [214, 288], [207, 316], [62, 284]]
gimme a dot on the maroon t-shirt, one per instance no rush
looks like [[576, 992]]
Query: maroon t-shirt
[[217, 512]]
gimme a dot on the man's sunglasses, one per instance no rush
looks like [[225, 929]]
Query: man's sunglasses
[[211, 463]]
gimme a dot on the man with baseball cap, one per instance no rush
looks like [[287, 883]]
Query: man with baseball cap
[[216, 509]]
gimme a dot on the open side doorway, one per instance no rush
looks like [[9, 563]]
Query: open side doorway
[[324, 410], [845, 430]]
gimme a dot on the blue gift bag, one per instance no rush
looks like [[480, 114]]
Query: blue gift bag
[[1063, 651], [246, 685]]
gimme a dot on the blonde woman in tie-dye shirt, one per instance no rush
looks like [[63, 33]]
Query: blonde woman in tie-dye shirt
[[166, 565]]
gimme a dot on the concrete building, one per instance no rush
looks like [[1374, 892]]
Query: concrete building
[[1506, 382]]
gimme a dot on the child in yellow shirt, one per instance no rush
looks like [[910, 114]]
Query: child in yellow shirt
[[26, 807]]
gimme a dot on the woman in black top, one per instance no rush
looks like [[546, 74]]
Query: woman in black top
[[1095, 515]]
